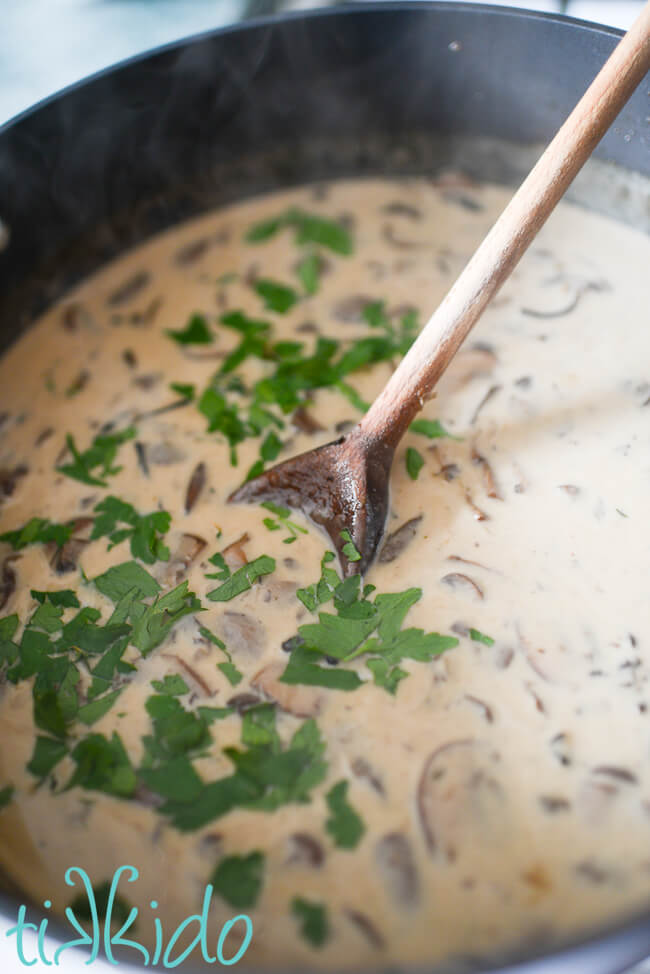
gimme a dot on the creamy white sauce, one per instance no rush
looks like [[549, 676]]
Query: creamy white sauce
[[534, 816]]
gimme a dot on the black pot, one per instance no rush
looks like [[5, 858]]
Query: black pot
[[377, 90]]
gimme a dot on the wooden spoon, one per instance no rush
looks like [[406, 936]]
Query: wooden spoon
[[343, 485]]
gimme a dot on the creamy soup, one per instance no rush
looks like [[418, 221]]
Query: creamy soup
[[448, 757]]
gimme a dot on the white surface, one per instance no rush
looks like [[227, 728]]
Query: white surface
[[47, 44]]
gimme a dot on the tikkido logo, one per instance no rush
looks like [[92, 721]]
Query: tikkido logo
[[101, 929]]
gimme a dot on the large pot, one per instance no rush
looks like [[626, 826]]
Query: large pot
[[379, 89]]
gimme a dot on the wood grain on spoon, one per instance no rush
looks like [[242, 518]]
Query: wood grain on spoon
[[343, 486]]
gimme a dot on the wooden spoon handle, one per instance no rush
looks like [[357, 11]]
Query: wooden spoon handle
[[411, 384]]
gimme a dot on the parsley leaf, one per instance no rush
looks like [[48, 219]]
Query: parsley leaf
[[414, 462], [308, 228], [308, 272], [6, 794], [238, 879], [349, 549], [90, 712], [301, 668], [228, 669], [282, 514], [38, 530], [172, 685], [314, 925], [47, 754], [102, 765], [101, 454], [242, 580], [64, 597], [480, 637], [277, 297], [384, 675], [129, 577], [431, 428], [152, 623], [196, 332], [184, 389], [344, 824], [143, 531]]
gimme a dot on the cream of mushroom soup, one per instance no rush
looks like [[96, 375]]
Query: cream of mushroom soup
[[448, 757]]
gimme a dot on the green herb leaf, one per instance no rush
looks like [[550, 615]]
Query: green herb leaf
[[172, 685], [128, 578], [349, 549], [384, 675], [101, 454], [6, 794], [431, 428], [120, 908], [238, 879], [90, 713], [38, 530], [196, 332], [314, 926], [153, 622], [308, 272], [64, 597], [184, 389], [344, 825], [144, 530], [277, 297], [414, 462], [302, 669], [47, 754], [102, 765], [480, 637], [242, 580]]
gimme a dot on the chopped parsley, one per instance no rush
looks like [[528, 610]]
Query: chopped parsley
[[196, 332], [184, 389], [414, 462], [308, 229], [229, 670], [344, 824], [238, 879], [38, 530], [277, 297], [172, 685], [314, 925], [6, 794], [47, 754], [282, 520], [349, 549], [96, 463], [431, 428], [120, 908], [240, 581], [480, 637], [102, 764], [142, 530], [308, 271], [266, 774]]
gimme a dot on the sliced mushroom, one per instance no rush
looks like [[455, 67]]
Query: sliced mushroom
[[191, 252], [7, 580], [74, 316], [462, 584], [66, 558], [129, 288], [147, 380], [490, 394], [460, 802], [141, 454], [364, 770], [189, 548], [396, 863], [304, 850], [9, 478], [303, 420], [243, 634], [164, 454], [483, 708], [616, 773], [365, 926], [193, 674], [296, 699], [398, 208], [562, 748], [195, 486], [478, 514], [350, 310], [489, 481], [399, 540], [234, 554], [243, 702]]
